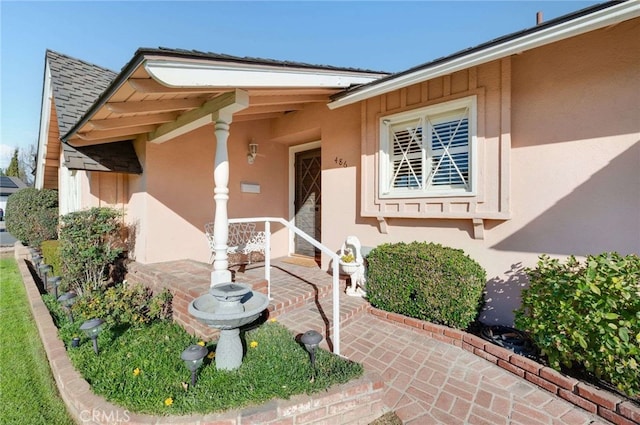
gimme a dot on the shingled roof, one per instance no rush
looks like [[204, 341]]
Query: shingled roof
[[76, 85]]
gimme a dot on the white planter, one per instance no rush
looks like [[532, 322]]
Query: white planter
[[348, 268]]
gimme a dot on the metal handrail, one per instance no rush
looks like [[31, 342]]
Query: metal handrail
[[267, 265]]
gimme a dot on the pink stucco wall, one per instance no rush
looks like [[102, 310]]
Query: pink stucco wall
[[173, 199], [560, 155]]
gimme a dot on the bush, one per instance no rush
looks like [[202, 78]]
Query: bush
[[124, 305], [588, 314], [90, 241], [32, 215], [51, 255], [426, 281]]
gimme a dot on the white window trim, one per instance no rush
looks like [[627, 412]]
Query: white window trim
[[385, 167]]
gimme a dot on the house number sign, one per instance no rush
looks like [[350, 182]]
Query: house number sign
[[341, 162]]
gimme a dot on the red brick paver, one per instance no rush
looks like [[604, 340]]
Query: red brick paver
[[428, 381]]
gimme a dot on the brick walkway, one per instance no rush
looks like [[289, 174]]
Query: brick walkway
[[427, 381]]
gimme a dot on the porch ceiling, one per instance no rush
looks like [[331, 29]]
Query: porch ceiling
[[140, 102]]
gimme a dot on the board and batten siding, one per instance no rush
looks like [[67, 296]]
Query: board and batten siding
[[491, 84]]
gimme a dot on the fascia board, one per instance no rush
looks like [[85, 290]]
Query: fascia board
[[45, 123], [575, 27], [181, 74]]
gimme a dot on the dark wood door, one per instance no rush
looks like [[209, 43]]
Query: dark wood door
[[308, 199]]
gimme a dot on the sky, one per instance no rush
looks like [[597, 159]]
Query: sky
[[387, 36]]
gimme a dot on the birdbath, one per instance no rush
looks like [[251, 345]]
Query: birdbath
[[228, 306]]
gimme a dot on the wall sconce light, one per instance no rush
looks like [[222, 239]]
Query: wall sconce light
[[253, 152]]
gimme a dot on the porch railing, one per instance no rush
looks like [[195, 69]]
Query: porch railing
[[267, 265]]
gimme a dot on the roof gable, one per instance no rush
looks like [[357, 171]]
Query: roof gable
[[76, 85]]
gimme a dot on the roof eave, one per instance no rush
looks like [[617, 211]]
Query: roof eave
[[601, 18], [217, 74], [120, 79], [186, 70]]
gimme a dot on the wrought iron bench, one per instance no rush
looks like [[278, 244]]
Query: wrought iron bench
[[243, 240]]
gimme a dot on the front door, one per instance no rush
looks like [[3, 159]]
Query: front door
[[307, 200]]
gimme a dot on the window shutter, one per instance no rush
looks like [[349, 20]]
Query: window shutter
[[429, 152], [407, 156], [449, 156]]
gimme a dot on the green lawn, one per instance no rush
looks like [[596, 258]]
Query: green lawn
[[28, 394]]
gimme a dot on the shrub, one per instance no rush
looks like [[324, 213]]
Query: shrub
[[90, 241], [588, 314], [51, 254], [124, 305], [426, 281], [32, 215]]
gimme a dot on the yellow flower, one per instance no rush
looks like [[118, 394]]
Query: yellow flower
[[211, 355], [201, 343], [253, 344], [136, 371], [168, 401], [274, 320]]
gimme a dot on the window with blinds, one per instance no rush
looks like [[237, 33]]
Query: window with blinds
[[429, 151]]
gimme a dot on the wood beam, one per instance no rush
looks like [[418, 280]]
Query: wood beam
[[256, 117], [271, 108], [147, 85], [109, 124], [77, 142], [223, 106], [153, 106], [129, 132]]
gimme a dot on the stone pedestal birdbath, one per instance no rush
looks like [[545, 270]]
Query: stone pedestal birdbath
[[227, 307]]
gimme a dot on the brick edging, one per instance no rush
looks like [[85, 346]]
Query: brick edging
[[603, 403], [356, 402]]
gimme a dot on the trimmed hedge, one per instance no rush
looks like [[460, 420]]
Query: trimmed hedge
[[587, 313], [426, 281], [32, 215]]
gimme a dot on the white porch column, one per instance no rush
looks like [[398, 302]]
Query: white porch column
[[220, 273]]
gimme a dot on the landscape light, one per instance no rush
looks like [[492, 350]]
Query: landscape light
[[92, 328], [193, 356]]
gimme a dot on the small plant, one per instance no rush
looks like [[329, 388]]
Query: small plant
[[348, 258], [124, 304], [32, 215], [90, 241], [426, 281], [587, 313]]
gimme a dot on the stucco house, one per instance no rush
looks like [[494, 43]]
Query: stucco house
[[526, 144]]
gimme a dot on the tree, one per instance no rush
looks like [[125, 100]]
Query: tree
[[27, 161], [22, 165], [13, 170]]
